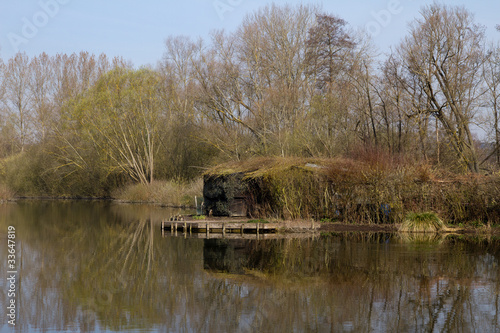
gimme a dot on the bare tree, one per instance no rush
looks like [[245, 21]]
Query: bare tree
[[41, 86], [443, 56], [7, 135], [220, 97], [3, 73], [363, 79], [17, 98], [76, 73], [329, 47], [330, 53], [177, 62], [395, 101], [185, 136], [491, 77], [256, 80], [407, 93], [179, 82]]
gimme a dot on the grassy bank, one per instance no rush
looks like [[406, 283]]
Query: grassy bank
[[369, 189], [171, 193]]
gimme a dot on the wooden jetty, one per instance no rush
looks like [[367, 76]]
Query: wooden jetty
[[220, 227]]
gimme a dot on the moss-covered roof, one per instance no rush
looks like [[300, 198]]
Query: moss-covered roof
[[260, 167]]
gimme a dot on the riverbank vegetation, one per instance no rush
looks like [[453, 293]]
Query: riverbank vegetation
[[427, 222], [171, 193], [289, 82], [5, 193], [372, 187]]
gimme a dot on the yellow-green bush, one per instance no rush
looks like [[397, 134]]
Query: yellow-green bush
[[5, 193]]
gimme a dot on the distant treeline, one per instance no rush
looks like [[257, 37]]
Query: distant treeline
[[289, 81]]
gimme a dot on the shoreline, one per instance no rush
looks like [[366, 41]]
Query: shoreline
[[287, 226], [309, 226]]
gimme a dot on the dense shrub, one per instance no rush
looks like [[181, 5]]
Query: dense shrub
[[37, 172]]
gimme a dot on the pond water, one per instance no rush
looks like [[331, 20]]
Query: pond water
[[101, 266]]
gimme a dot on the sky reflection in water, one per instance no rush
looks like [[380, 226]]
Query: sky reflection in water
[[100, 266]]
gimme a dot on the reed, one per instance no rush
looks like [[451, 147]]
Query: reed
[[171, 193], [427, 222]]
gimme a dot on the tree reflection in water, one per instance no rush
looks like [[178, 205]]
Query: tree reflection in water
[[101, 266]]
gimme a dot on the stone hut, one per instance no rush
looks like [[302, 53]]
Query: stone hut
[[262, 187], [224, 195]]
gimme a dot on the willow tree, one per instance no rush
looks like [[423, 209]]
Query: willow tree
[[443, 56], [120, 115]]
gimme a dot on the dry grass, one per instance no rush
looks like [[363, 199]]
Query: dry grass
[[171, 193], [263, 166], [427, 222], [370, 187]]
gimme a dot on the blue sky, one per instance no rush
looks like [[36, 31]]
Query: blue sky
[[136, 30]]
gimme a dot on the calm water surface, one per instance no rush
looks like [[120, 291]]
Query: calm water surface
[[98, 266]]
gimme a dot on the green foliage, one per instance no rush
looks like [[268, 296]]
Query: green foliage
[[120, 119], [120, 115], [36, 172], [5, 193], [182, 155], [20, 174]]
